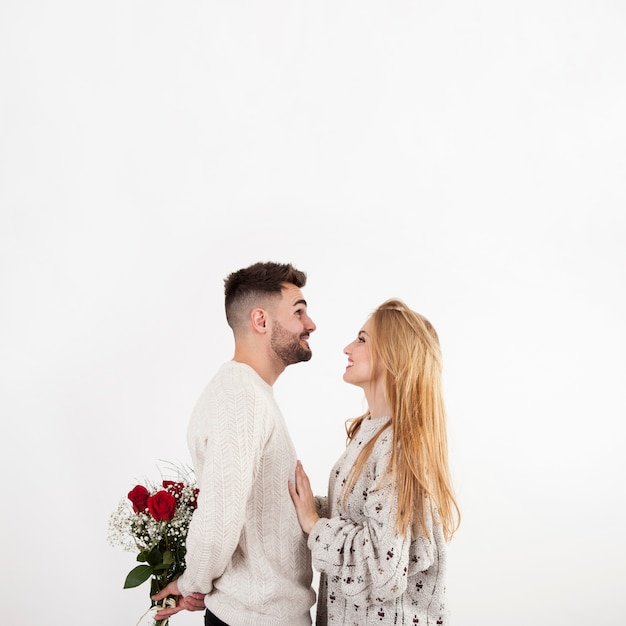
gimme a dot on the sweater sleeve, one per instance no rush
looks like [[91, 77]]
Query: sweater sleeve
[[226, 439], [321, 506], [367, 559]]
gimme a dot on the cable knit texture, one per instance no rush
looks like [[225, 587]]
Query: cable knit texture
[[369, 573], [245, 546]]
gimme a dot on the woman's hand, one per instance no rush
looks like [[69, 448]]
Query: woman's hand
[[303, 500]]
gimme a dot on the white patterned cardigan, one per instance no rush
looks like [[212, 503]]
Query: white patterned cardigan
[[369, 573]]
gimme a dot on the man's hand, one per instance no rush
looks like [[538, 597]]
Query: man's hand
[[193, 602]]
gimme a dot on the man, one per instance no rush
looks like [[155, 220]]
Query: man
[[247, 558]]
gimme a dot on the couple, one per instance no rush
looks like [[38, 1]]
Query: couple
[[379, 538]]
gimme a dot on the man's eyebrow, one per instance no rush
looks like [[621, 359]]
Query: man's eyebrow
[[301, 301]]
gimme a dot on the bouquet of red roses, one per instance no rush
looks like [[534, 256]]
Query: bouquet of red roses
[[153, 520]]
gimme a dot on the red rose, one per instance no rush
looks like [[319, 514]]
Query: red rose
[[194, 499], [173, 487], [162, 505], [139, 497]]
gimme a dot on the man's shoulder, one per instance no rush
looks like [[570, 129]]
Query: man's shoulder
[[235, 375], [235, 395], [234, 380]]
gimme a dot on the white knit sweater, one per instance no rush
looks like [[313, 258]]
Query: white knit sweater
[[370, 574], [245, 548]]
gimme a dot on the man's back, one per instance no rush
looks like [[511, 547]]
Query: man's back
[[257, 565]]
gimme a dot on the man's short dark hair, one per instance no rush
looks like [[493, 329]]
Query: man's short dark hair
[[256, 282]]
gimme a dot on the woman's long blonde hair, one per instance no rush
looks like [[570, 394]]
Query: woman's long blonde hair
[[407, 345]]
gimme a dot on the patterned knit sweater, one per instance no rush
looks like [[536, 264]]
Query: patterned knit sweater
[[245, 548], [370, 574]]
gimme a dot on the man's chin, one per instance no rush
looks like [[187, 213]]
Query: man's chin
[[300, 357]]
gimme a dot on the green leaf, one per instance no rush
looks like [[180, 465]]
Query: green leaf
[[142, 557], [161, 567], [155, 557], [168, 557], [137, 575]]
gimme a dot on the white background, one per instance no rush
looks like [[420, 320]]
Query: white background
[[466, 156]]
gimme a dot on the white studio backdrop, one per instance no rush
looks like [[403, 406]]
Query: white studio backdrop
[[468, 157]]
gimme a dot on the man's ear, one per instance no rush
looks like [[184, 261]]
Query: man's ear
[[258, 317]]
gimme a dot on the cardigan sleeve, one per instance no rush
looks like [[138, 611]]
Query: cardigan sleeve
[[321, 506], [366, 558]]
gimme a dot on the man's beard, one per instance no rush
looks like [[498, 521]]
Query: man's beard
[[287, 346]]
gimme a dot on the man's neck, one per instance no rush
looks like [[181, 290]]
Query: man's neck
[[268, 369]]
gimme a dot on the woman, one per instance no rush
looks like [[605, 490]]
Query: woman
[[379, 539]]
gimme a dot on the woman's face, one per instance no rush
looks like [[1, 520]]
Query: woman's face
[[359, 369]]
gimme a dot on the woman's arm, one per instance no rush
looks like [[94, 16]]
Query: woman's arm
[[366, 557]]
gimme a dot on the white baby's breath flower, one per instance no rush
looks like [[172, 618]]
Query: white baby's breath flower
[[155, 539]]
